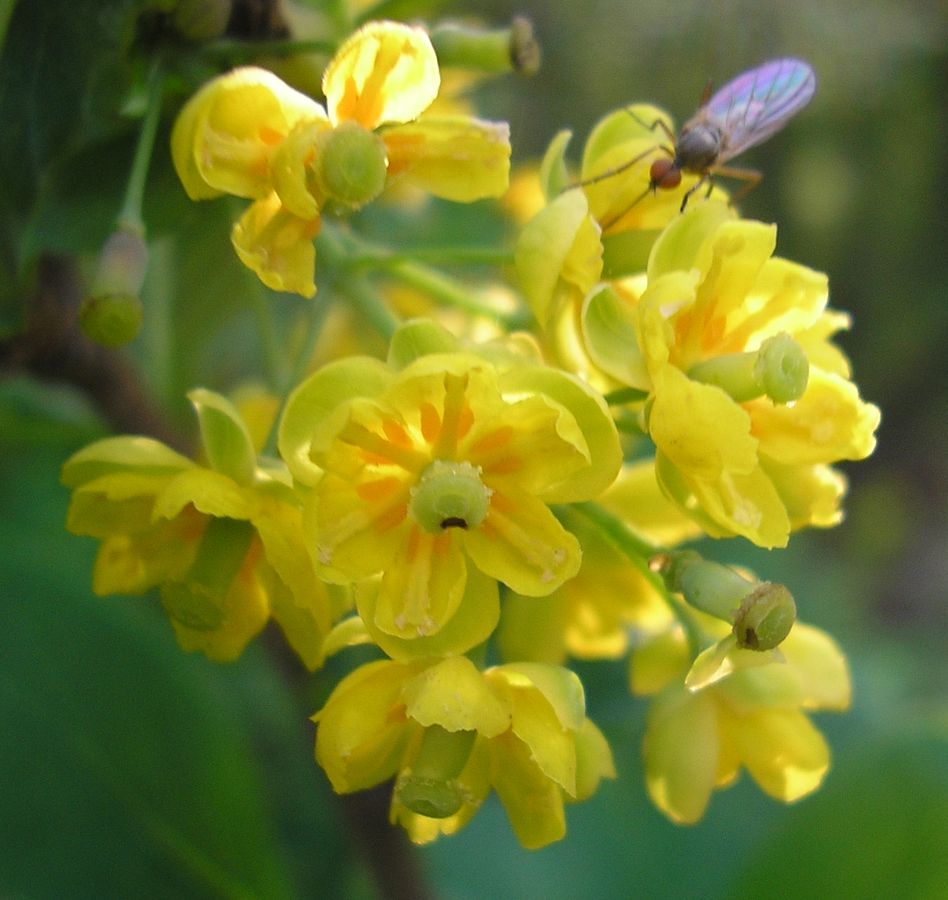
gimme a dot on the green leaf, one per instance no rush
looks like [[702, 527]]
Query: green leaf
[[127, 770]]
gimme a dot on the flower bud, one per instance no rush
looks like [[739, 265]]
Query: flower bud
[[449, 495], [782, 368], [709, 586], [111, 314], [778, 370], [502, 50], [765, 617]]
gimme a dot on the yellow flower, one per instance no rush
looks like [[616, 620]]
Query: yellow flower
[[249, 134], [224, 543], [450, 460], [595, 615], [753, 718], [449, 734], [749, 402]]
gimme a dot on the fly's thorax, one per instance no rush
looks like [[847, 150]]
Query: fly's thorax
[[699, 145]]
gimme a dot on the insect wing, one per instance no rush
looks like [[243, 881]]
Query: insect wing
[[758, 103]]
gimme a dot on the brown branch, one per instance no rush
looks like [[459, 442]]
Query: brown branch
[[53, 348]]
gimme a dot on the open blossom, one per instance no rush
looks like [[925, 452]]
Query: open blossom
[[223, 541], [247, 133], [748, 400], [450, 461], [449, 734], [698, 740]]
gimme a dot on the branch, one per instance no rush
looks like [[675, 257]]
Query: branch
[[53, 348]]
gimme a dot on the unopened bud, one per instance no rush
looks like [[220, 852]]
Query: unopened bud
[[778, 370], [765, 617], [111, 314], [503, 50]]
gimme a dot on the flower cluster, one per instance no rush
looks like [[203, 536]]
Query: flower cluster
[[480, 512], [249, 134]]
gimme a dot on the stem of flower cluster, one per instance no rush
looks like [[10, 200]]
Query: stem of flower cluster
[[130, 215], [639, 551]]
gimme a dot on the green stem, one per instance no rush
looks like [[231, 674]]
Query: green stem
[[314, 326], [449, 292], [409, 267], [243, 50], [368, 257], [639, 551], [274, 360], [131, 212], [371, 306]]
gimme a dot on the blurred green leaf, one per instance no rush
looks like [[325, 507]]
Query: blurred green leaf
[[126, 767]]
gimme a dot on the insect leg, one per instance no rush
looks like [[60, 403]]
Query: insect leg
[[750, 177], [705, 177], [617, 170]]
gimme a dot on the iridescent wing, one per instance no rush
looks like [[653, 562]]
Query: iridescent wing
[[758, 103]]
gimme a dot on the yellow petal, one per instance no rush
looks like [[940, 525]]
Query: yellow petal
[[290, 169], [460, 159], [385, 72], [361, 734], [821, 667], [277, 245], [422, 586], [522, 544], [455, 695], [680, 750], [533, 803], [827, 424], [782, 751], [224, 137], [700, 428]]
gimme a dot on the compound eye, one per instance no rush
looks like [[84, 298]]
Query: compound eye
[[664, 174]]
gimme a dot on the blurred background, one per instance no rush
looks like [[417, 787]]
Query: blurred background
[[130, 769]]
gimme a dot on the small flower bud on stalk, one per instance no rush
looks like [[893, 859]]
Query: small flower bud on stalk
[[778, 370], [111, 314], [762, 613], [514, 48]]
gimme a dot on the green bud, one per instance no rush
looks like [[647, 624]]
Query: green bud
[[778, 370], [782, 368], [449, 495], [111, 314], [430, 787], [350, 165], [111, 320], [765, 617], [709, 586], [501, 50]]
